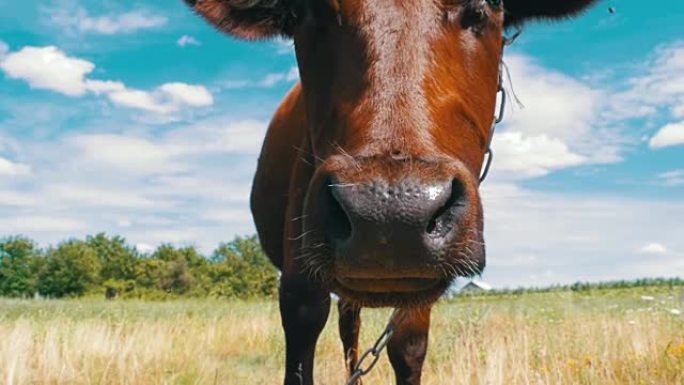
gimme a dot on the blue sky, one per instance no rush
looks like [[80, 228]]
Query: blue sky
[[137, 118]]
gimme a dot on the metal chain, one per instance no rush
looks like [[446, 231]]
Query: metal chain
[[498, 118], [371, 356]]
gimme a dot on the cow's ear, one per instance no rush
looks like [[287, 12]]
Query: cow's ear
[[249, 19], [518, 11]]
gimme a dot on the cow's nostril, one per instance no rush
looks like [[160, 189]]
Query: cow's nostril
[[444, 219], [335, 218]]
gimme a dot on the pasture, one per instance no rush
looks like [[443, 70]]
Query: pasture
[[619, 336]]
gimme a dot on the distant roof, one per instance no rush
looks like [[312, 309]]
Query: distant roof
[[477, 284]]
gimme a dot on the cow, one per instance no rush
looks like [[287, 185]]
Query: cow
[[367, 182]]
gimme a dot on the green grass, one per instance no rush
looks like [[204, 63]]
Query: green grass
[[610, 336]]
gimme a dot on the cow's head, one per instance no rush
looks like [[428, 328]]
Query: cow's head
[[400, 97]]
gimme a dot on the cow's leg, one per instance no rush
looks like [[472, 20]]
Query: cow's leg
[[408, 345], [304, 308], [350, 323]]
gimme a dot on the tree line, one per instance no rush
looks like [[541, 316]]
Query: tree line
[[587, 287], [102, 264]]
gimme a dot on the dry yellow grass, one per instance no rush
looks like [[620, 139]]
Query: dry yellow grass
[[613, 337]]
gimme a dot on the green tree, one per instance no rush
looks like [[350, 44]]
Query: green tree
[[244, 270], [148, 273], [18, 257], [177, 277], [117, 258], [70, 269], [181, 268], [189, 254]]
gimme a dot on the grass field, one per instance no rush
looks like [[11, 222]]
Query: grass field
[[628, 336]]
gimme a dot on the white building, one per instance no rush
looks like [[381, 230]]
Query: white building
[[475, 286]]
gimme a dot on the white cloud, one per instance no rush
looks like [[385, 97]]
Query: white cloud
[[653, 248], [540, 238], [104, 87], [238, 215], [559, 125], [292, 74], [532, 156], [9, 168], [658, 92], [186, 40], [167, 153], [165, 99], [662, 80], [80, 21], [139, 99], [85, 195], [271, 80], [678, 111], [268, 81], [16, 199], [152, 187], [48, 68], [144, 248], [191, 95], [4, 49], [554, 103], [40, 224], [283, 46], [567, 123], [123, 153], [213, 189], [669, 135], [217, 136], [672, 178]]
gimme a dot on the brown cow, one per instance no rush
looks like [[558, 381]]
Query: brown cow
[[367, 183]]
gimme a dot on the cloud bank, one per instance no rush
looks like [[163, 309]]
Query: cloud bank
[[49, 68], [79, 20]]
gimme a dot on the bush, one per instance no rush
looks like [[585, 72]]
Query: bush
[[18, 256], [70, 269], [102, 263]]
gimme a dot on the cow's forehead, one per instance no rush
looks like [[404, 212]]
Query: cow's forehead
[[397, 35], [357, 11]]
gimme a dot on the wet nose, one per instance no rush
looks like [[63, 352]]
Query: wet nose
[[381, 227]]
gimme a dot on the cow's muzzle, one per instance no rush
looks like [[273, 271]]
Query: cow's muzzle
[[394, 230], [390, 230]]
